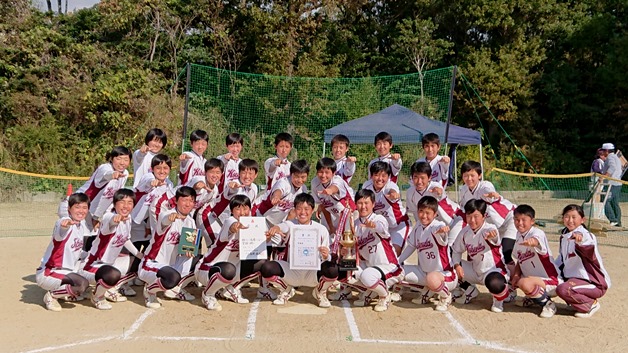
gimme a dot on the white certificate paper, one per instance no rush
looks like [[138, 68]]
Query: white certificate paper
[[253, 238], [303, 246]]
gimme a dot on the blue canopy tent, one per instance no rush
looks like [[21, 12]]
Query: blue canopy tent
[[406, 126]]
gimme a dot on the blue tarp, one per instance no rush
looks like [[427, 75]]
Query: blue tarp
[[405, 126]]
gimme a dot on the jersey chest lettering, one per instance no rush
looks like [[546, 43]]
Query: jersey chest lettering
[[425, 245], [362, 241], [173, 237], [77, 244], [118, 240], [475, 249]]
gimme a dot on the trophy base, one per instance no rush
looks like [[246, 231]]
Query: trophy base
[[347, 265]]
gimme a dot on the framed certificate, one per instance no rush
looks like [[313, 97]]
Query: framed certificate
[[253, 238], [303, 248]]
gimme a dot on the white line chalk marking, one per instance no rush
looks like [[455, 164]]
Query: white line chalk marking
[[127, 334], [69, 345], [353, 327], [250, 322]]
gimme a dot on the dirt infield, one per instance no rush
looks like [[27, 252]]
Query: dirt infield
[[299, 326]]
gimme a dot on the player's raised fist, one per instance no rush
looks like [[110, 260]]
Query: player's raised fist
[[352, 159], [393, 195], [490, 234], [116, 175], [395, 156], [443, 230], [532, 242], [577, 236], [368, 224], [120, 218], [437, 191], [234, 185], [184, 156], [144, 148], [492, 195], [66, 223], [444, 160]]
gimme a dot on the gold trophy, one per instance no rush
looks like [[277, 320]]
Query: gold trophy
[[348, 262], [348, 241]]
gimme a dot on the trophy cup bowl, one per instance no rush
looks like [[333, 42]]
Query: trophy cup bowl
[[348, 262]]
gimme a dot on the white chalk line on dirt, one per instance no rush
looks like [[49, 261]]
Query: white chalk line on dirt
[[467, 339], [353, 327], [250, 322], [69, 345], [127, 334]]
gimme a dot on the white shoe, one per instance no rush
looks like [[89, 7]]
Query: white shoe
[[179, 294], [548, 310], [469, 294], [443, 303], [137, 282], [342, 294], [127, 291], [284, 296], [51, 303], [266, 293], [363, 299], [235, 295], [382, 304], [323, 302], [151, 299], [101, 304], [595, 307], [423, 299], [113, 295], [211, 303], [614, 223], [498, 306]]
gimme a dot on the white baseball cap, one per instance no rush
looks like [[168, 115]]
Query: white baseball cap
[[608, 146]]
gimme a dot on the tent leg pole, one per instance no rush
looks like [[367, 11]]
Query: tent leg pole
[[323, 149], [456, 178], [482, 162]]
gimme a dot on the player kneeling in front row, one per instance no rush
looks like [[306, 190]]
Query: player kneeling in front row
[[482, 243], [379, 268], [279, 272], [56, 274], [222, 264], [434, 271], [105, 267], [535, 272], [162, 267]]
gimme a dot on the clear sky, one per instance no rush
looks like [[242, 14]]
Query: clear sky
[[72, 4]]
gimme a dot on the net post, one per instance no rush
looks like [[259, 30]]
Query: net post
[[187, 102], [451, 101]]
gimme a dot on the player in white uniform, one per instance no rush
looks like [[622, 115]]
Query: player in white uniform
[[383, 145], [221, 264], [278, 205], [434, 271], [105, 267], [248, 170], [580, 265], [388, 203], [278, 166], [162, 267], [154, 142], [535, 272], [192, 163], [482, 244], [345, 166], [103, 183], [448, 210], [231, 160], [379, 268], [57, 271], [499, 211], [208, 195], [439, 164], [150, 188], [332, 195], [279, 272]]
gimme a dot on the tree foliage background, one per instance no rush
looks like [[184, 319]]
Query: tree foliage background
[[554, 73]]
